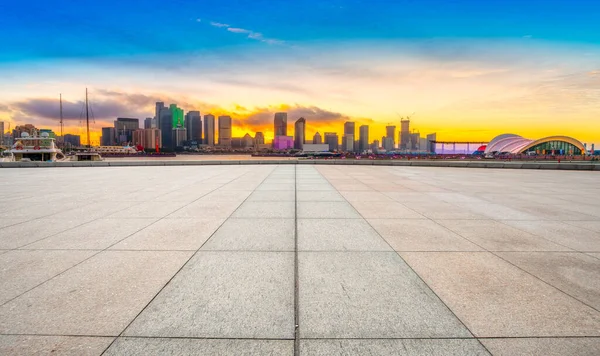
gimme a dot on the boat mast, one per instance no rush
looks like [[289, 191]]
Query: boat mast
[[87, 118], [61, 118]]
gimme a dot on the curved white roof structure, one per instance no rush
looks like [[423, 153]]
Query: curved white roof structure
[[515, 144]]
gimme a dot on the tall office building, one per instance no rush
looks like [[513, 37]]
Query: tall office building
[[404, 134], [431, 138], [177, 114], [259, 139], [390, 131], [124, 128], [147, 138], [72, 140], [348, 138], [159, 106], [193, 125], [209, 130], [108, 136], [225, 131], [363, 138], [148, 123], [165, 120], [1, 132], [299, 133], [317, 139], [280, 124], [179, 136], [331, 138]]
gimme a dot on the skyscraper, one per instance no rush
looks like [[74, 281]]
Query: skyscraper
[[165, 119], [124, 128], [177, 114], [1, 132], [299, 133], [225, 131], [280, 124], [363, 138], [404, 134], [209, 130], [193, 125], [108, 136], [148, 123], [389, 135], [317, 139], [159, 106], [348, 138], [259, 138], [331, 138]]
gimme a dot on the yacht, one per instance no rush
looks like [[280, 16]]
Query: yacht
[[34, 148]]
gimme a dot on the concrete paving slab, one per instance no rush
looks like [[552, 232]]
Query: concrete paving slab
[[265, 209], [361, 196], [314, 186], [318, 196], [497, 236], [226, 195], [4, 221], [280, 195], [496, 299], [338, 235], [543, 346], [39, 266], [275, 187], [576, 238], [326, 210], [385, 210], [171, 234], [206, 210], [576, 274], [420, 235], [184, 347], [98, 297], [254, 235], [439, 210], [225, 295], [593, 225], [96, 235], [53, 345], [447, 347], [25, 233], [368, 295]]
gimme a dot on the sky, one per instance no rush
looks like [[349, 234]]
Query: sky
[[465, 69]]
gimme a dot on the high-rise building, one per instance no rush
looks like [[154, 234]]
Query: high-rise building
[[147, 138], [165, 120], [225, 131], [348, 143], [72, 140], [242, 142], [431, 138], [404, 134], [29, 128], [1, 132], [179, 136], [299, 133], [363, 138], [331, 138], [108, 136], [177, 114], [317, 139], [209, 130], [280, 124], [259, 139], [159, 106], [148, 123], [390, 131], [283, 142], [388, 143], [124, 128], [193, 125]]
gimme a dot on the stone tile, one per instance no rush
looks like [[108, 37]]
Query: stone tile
[[319, 196], [458, 347], [184, 347], [385, 210], [206, 210], [254, 234], [227, 195], [171, 234], [362, 196], [53, 345], [497, 211], [96, 211], [590, 225], [420, 235], [269, 209], [39, 266], [577, 238], [496, 236], [576, 274], [326, 210], [25, 233], [314, 186], [273, 195], [338, 235], [496, 299], [225, 295], [98, 297], [276, 186], [368, 295], [442, 210], [4, 221], [96, 235], [150, 210], [544, 346]]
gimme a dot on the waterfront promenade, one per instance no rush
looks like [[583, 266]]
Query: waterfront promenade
[[288, 259]]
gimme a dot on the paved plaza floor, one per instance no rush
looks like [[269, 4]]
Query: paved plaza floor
[[297, 259]]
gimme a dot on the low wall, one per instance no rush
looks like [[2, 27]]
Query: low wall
[[575, 166]]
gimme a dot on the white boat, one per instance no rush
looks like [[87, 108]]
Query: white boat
[[34, 148]]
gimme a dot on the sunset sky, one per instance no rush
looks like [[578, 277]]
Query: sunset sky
[[467, 69]]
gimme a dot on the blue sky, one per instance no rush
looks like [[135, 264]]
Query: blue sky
[[470, 69]]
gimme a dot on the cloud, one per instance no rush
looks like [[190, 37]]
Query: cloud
[[251, 34]]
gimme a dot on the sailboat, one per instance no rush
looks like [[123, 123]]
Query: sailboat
[[90, 154]]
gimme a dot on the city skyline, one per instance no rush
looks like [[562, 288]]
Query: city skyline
[[466, 74]]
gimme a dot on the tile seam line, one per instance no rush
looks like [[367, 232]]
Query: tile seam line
[[296, 270], [420, 278], [185, 263]]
